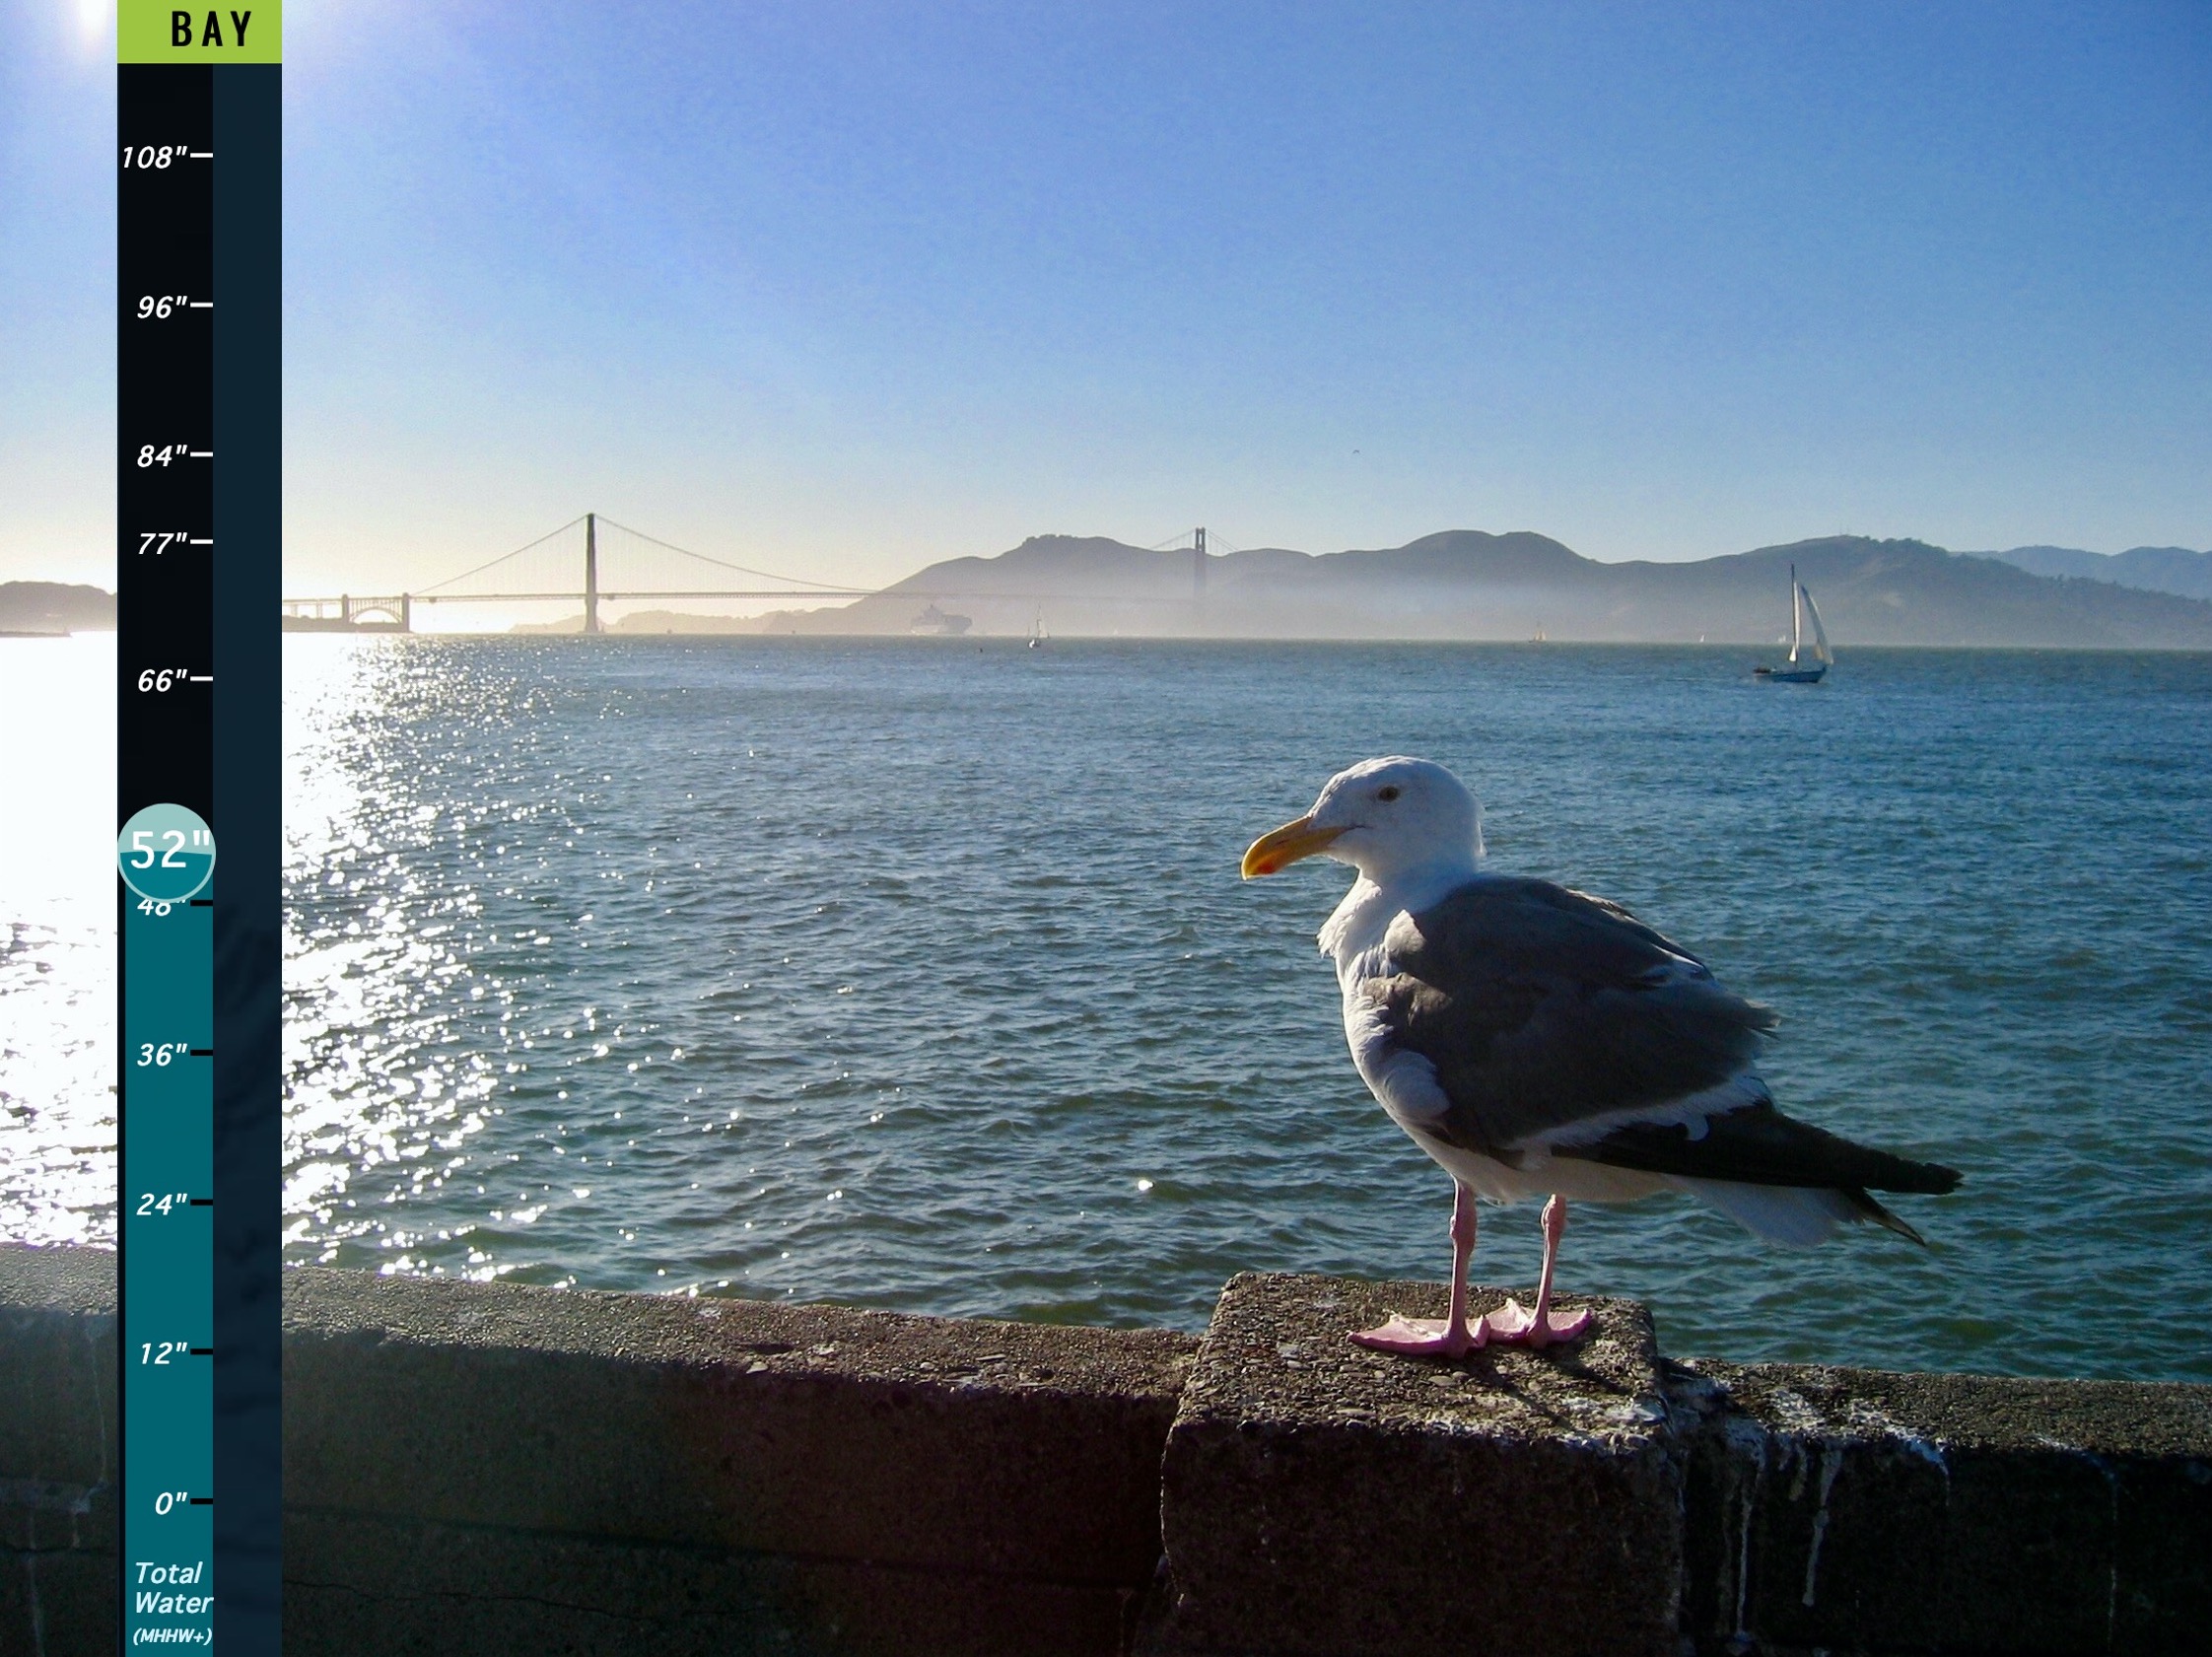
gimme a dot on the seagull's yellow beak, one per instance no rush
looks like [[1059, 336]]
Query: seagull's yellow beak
[[1281, 847]]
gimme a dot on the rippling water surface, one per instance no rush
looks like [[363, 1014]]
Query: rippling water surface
[[918, 974]]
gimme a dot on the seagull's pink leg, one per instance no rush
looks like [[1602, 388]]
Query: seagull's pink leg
[[1521, 1328], [1449, 1336]]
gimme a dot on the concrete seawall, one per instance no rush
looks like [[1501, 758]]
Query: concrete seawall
[[483, 1469]]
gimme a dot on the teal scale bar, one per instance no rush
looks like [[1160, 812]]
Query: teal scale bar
[[167, 1109]]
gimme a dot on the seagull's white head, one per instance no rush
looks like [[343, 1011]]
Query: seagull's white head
[[1388, 819]]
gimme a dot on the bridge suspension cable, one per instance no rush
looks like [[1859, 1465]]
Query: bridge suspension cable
[[742, 568], [505, 556], [1214, 544]]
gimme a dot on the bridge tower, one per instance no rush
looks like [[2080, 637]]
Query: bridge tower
[[591, 571], [1198, 563]]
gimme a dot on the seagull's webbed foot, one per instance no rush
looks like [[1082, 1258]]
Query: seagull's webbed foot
[[1455, 1334], [1516, 1326], [1422, 1336]]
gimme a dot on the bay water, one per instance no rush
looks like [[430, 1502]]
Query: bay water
[[918, 974]]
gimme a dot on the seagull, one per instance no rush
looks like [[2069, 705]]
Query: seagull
[[1538, 1041]]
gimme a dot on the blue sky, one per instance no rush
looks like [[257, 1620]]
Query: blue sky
[[842, 288]]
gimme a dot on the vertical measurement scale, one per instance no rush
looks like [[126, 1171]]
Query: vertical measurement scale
[[197, 155]]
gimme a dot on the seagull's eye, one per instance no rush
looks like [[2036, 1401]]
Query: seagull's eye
[[1386, 796]]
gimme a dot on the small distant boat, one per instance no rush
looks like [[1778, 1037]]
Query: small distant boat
[[1539, 639], [1037, 633], [937, 623], [1800, 606]]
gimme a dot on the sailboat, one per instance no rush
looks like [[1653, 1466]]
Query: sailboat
[[1822, 659], [1037, 633]]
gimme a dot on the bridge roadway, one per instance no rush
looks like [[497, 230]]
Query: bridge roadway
[[309, 614], [394, 612]]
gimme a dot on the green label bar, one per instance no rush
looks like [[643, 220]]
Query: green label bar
[[146, 33]]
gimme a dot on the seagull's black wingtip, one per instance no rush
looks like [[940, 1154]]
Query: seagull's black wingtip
[[1919, 1179]]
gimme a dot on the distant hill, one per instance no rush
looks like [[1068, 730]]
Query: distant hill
[[646, 621], [1466, 583], [2154, 569], [55, 608]]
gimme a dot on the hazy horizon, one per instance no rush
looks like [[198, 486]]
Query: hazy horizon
[[492, 617], [848, 290]]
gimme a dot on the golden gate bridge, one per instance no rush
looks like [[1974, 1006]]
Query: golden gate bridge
[[547, 570]]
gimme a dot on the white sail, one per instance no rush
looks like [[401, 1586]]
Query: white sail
[[1796, 617], [1820, 634]]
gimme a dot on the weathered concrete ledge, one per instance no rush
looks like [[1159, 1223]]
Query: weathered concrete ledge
[[484, 1468], [1851, 1509], [57, 1429], [815, 1477], [1321, 1498]]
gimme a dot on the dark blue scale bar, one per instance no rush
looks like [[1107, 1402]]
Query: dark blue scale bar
[[248, 947]]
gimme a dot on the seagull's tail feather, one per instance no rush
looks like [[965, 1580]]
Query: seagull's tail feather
[[1794, 1215], [1757, 1145], [1869, 1209], [1781, 1179]]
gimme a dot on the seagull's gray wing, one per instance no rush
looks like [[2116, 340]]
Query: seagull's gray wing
[[1541, 1008]]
